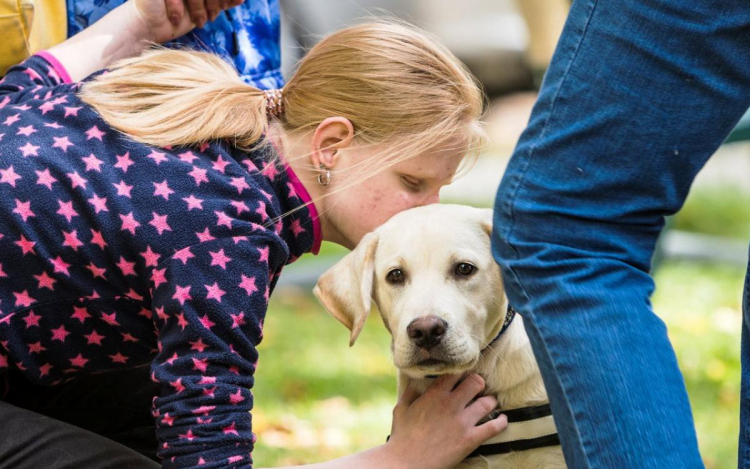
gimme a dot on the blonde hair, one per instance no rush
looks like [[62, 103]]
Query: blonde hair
[[394, 83]]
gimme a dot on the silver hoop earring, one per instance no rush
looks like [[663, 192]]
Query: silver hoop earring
[[323, 181]]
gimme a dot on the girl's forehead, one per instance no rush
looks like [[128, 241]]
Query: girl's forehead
[[437, 163]]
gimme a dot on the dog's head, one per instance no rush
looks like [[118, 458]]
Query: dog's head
[[431, 274]]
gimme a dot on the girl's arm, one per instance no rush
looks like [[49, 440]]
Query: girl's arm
[[124, 32]]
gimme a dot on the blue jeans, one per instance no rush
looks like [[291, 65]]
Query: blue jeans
[[639, 94]]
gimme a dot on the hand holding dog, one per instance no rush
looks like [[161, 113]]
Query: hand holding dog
[[438, 429]]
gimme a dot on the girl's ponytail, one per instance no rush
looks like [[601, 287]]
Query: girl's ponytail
[[166, 97]]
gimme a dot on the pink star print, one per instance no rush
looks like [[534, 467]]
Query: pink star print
[[66, 210], [206, 322], [157, 277], [296, 227], [97, 239], [26, 245], [32, 319], [200, 364], [9, 176], [93, 163], [150, 257], [240, 183], [29, 150], [231, 429], [157, 156], [193, 202], [123, 189], [199, 175], [77, 180], [36, 348], [80, 313], [162, 189], [127, 268], [71, 111], [94, 132], [62, 143], [167, 420], [263, 254], [220, 164], [204, 235], [214, 292], [236, 397], [94, 338], [238, 319], [60, 334], [198, 345], [248, 284], [183, 255], [99, 203], [124, 162], [60, 265], [182, 294], [118, 358], [79, 361], [71, 240], [160, 223], [187, 157], [23, 299], [45, 281], [23, 209], [223, 219], [110, 319], [45, 178], [177, 385], [219, 258], [129, 223]]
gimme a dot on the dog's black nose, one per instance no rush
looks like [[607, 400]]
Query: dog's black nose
[[427, 331]]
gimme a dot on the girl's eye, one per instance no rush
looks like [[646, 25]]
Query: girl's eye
[[411, 183]]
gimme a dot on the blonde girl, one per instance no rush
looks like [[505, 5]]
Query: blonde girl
[[147, 212]]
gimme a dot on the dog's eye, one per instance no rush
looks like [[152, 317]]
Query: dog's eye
[[465, 269], [396, 276]]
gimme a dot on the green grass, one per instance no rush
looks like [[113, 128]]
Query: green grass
[[317, 399]]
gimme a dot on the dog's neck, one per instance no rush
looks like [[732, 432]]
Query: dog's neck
[[509, 370]]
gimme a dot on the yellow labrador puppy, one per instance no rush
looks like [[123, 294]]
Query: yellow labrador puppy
[[431, 274]]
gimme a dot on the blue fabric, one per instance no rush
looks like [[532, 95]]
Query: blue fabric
[[247, 35], [115, 254], [639, 94]]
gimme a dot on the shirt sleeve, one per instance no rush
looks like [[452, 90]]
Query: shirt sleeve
[[39, 71], [208, 302]]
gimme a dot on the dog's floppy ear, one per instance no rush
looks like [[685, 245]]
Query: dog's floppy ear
[[345, 289], [486, 220]]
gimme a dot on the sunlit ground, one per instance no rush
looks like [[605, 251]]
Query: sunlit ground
[[317, 399]]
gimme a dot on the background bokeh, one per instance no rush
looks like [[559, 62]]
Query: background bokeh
[[317, 399]]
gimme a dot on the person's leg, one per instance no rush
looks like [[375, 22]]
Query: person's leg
[[114, 405], [31, 441], [638, 95], [743, 455]]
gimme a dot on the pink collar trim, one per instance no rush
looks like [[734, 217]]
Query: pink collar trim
[[302, 192]]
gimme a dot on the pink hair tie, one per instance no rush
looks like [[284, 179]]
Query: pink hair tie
[[274, 103]]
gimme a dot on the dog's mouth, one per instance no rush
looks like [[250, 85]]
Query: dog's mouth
[[432, 363]]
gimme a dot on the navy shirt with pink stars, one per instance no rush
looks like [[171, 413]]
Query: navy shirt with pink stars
[[116, 254]]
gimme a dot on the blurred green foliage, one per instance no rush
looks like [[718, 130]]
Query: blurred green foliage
[[317, 399]]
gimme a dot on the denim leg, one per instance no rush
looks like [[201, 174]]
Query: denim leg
[[638, 95], [743, 455]]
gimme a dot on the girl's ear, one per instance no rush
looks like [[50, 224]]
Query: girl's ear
[[332, 135], [345, 289]]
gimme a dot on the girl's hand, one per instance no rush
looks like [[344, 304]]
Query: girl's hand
[[165, 20], [438, 429], [200, 10]]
